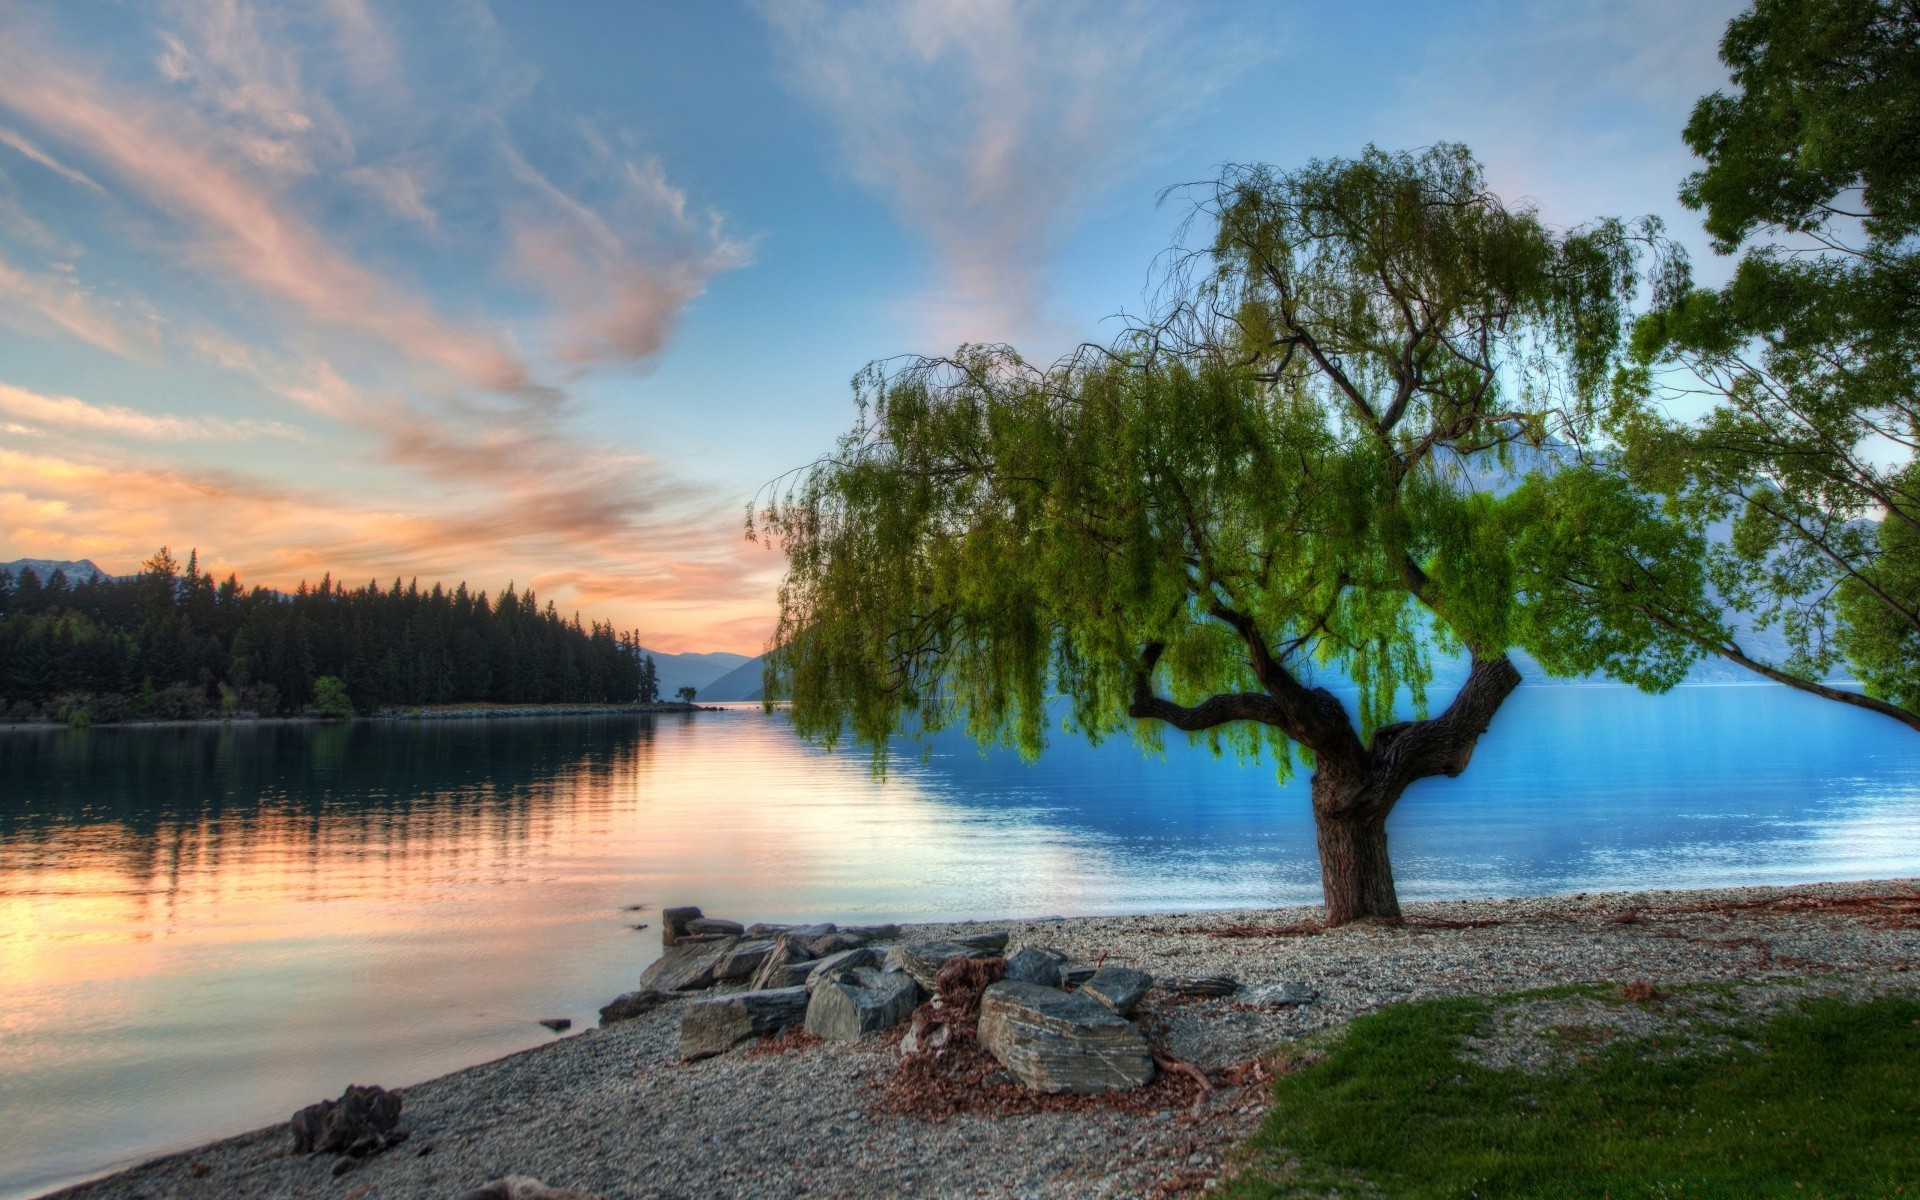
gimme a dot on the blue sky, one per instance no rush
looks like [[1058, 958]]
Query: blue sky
[[544, 292]]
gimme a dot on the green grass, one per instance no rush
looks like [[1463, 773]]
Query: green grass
[[1827, 1105]]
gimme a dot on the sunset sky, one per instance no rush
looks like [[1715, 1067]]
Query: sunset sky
[[544, 291]]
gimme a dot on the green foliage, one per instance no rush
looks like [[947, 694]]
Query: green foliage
[[1303, 463], [1809, 351], [330, 698], [687, 694], [1815, 1101]]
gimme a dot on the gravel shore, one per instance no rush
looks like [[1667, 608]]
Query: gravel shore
[[611, 1111]]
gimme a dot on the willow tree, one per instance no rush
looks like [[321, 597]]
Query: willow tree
[[1215, 531]]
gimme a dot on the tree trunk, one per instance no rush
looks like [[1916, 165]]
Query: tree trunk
[[1356, 875]]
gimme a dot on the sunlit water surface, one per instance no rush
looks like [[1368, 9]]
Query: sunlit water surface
[[202, 929]]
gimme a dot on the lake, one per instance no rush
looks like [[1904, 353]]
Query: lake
[[204, 928]]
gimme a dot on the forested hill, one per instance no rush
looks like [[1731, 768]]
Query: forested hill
[[174, 643]]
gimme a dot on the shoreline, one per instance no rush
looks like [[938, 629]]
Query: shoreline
[[487, 712], [613, 1111]]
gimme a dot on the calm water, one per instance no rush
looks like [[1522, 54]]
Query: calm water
[[202, 929]]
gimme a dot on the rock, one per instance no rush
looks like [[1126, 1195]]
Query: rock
[[790, 960], [1073, 976], [634, 1004], [642, 925], [872, 933], [846, 960], [850, 1004], [741, 961], [762, 929], [1056, 1041], [520, 1187], [984, 945], [1204, 985], [345, 1163], [1030, 964], [833, 943], [557, 1024], [1119, 988], [712, 925], [673, 923], [716, 1025], [922, 959], [807, 933], [1281, 995], [687, 967], [362, 1117]]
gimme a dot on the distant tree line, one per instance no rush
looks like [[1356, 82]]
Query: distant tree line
[[176, 644]]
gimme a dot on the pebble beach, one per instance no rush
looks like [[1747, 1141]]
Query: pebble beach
[[614, 1113]]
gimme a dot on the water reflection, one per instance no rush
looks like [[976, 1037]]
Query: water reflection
[[201, 929]]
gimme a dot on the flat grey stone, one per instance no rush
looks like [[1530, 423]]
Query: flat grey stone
[[634, 1004], [715, 925], [1281, 995], [807, 933], [1075, 974], [742, 960], [923, 960], [1031, 965], [846, 960], [832, 943], [719, 1023], [686, 966], [1119, 988], [1055, 1041], [872, 933], [1203, 985], [988, 944], [763, 929], [854, 1003]]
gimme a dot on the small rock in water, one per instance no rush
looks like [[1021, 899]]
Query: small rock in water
[[1281, 995], [712, 925], [521, 1187], [557, 1024], [1030, 964], [688, 966], [846, 960], [715, 1026], [363, 1117], [1203, 985], [673, 922], [634, 908], [1119, 988], [642, 925], [1056, 1041], [634, 1004], [853, 1003]]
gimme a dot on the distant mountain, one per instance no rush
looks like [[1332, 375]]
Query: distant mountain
[[697, 671], [43, 569], [741, 683]]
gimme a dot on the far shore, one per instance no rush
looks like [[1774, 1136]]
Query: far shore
[[615, 1113], [436, 712]]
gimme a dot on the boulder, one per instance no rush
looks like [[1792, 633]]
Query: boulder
[[522, 1187], [1030, 964], [788, 958], [850, 1004], [922, 960], [984, 945], [1055, 1041], [1119, 988], [687, 967], [359, 1123], [740, 962], [807, 933], [714, 925], [846, 960], [1204, 985], [763, 929], [557, 1024], [833, 943], [673, 922], [634, 1004], [872, 933], [718, 1024], [1075, 974], [1281, 995]]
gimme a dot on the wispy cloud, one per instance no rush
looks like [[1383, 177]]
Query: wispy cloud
[[989, 124], [36, 303], [69, 412], [19, 142]]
